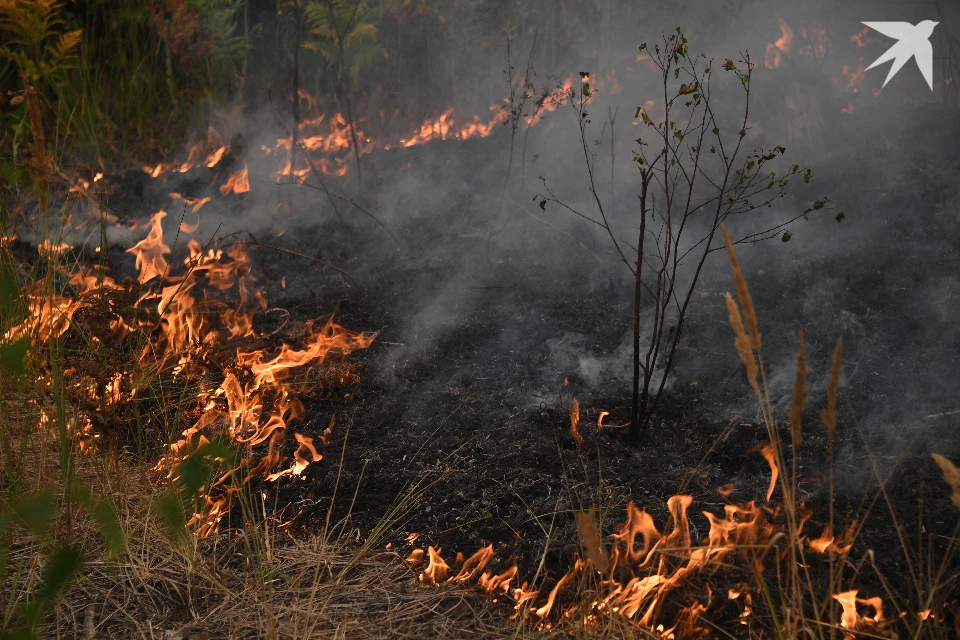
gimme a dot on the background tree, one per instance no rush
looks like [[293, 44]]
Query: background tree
[[344, 33], [692, 178]]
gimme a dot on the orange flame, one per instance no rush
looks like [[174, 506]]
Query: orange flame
[[767, 453], [575, 421], [861, 38], [772, 56], [151, 250], [236, 183]]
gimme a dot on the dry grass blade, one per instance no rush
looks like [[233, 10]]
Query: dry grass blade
[[800, 391], [743, 345], [829, 414], [951, 475], [743, 293]]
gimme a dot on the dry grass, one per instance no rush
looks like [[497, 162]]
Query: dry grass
[[254, 581]]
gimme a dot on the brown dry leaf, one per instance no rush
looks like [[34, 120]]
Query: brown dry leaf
[[951, 475]]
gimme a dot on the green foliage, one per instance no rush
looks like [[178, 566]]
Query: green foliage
[[37, 44], [37, 514], [344, 33], [12, 354], [219, 19]]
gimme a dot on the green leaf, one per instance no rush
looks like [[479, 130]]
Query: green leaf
[[728, 65], [13, 356], [818, 205], [840, 216], [9, 291], [172, 519], [58, 571], [36, 512], [716, 131], [105, 515], [786, 236]]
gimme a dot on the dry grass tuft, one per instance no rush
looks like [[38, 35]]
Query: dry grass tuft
[[743, 293], [951, 475], [829, 414], [743, 345], [800, 391]]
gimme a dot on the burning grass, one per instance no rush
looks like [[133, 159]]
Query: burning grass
[[758, 571], [129, 383], [176, 357], [182, 354]]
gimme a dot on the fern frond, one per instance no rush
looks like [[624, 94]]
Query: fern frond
[[67, 42]]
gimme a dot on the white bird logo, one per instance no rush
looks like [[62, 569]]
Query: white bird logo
[[914, 42]]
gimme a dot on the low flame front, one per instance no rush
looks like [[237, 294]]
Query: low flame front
[[633, 576], [180, 319]]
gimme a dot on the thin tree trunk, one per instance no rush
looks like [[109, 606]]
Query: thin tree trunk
[[637, 420], [246, 54], [168, 59], [294, 140], [345, 90]]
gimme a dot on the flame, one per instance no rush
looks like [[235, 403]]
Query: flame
[[861, 38], [817, 43], [767, 453], [252, 405], [436, 571], [550, 102], [327, 141], [641, 567], [575, 421], [852, 77], [214, 158], [772, 56], [600, 417], [47, 247], [151, 250], [236, 183], [850, 618], [196, 203]]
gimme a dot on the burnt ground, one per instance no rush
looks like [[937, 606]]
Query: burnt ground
[[466, 377]]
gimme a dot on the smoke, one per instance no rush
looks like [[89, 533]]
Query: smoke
[[473, 280]]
